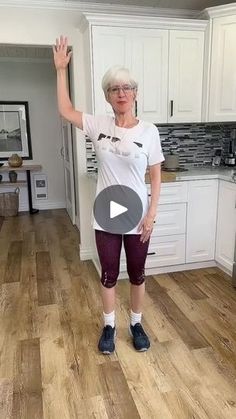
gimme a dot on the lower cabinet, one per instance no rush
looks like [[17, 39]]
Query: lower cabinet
[[167, 243], [166, 251], [226, 224], [201, 220], [187, 228]]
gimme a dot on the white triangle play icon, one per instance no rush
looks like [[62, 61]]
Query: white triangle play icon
[[116, 209]]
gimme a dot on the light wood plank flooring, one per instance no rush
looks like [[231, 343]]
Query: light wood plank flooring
[[50, 320]]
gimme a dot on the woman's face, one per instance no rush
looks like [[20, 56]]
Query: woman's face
[[121, 97]]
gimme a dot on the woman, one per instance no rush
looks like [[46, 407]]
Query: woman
[[125, 146]]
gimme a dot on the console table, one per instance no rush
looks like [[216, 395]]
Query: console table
[[24, 168]]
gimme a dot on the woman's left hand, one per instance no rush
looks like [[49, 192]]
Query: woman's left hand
[[146, 227]]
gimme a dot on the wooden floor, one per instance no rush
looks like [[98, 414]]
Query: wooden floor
[[50, 320]]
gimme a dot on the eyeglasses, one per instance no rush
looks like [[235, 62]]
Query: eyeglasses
[[115, 90]]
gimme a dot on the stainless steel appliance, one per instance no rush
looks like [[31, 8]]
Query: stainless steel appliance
[[230, 158], [171, 161]]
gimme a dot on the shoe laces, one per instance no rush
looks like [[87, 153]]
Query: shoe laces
[[108, 332], [138, 329]]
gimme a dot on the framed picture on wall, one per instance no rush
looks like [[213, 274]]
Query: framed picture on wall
[[14, 130]]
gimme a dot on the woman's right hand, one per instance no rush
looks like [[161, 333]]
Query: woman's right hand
[[60, 53]]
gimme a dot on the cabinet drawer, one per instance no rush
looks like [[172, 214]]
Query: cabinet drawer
[[166, 251], [172, 192], [163, 251], [171, 219]]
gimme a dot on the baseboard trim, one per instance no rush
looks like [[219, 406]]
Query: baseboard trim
[[44, 205], [227, 271], [85, 254], [77, 223]]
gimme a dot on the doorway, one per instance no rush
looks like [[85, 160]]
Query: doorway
[[27, 73]]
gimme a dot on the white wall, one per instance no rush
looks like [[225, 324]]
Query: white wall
[[36, 83], [41, 27]]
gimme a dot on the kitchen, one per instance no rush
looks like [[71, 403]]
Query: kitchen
[[197, 127], [51, 314]]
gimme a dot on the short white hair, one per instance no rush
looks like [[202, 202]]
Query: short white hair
[[115, 74]]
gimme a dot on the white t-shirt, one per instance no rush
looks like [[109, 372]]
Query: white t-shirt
[[123, 155]]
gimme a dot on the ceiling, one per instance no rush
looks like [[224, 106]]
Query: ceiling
[[172, 4]]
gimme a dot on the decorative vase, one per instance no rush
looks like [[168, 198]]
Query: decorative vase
[[15, 160], [13, 176]]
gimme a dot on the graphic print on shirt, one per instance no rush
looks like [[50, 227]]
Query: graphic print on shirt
[[108, 140]]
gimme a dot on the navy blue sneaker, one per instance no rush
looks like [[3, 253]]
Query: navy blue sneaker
[[141, 341], [106, 343]]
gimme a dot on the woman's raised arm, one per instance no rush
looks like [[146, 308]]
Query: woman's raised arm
[[61, 61]]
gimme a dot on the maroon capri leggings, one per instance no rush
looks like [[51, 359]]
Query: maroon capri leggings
[[109, 249]]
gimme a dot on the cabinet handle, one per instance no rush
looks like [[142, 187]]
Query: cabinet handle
[[171, 108], [136, 108], [151, 253]]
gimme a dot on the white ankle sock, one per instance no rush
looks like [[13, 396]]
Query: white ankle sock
[[109, 319], [135, 318]]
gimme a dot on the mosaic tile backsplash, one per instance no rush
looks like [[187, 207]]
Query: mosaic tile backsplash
[[195, 144]]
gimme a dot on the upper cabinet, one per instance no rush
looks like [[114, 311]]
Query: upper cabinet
[[145, 53], [186, 55], [167, 63], [149, 65], [110, 46], [222, 98]]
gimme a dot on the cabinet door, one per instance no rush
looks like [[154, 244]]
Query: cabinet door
[[201, 220], [185, 76], [166, 251], [150, 67], [226, 225], [172, 192], [170, 220], [110, 46], [222, 101]]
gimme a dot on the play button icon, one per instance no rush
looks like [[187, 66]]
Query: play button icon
[[118, 209]]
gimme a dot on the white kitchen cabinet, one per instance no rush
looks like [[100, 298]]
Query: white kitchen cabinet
[[172, 192], [222, 96], [166, 251], [167, 243], [145, 53], [185, 69], [149, 66], [226, 224], [164, 62], [110, 46], [170, 220], [201, 220]]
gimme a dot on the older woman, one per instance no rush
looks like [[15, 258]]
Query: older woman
[[124, 146]]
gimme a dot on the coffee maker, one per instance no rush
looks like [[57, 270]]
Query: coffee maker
[[230, 159]]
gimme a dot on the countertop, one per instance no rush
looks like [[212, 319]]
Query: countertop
[[223, 173], [200, 173], [197, 173]]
